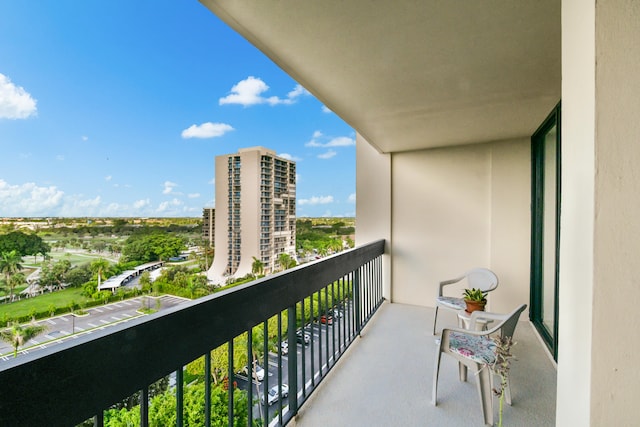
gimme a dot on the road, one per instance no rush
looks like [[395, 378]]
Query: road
[[69, 326]]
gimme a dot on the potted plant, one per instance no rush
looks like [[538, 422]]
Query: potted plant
[[475, 299]]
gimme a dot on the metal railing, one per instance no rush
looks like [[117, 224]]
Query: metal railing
[[317, 309]]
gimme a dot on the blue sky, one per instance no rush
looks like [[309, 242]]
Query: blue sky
[[118, 108]]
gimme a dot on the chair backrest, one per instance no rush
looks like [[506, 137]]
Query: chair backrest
[[509, 324], [482, 278]]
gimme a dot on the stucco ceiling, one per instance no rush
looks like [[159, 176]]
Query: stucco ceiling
[[408, 74]]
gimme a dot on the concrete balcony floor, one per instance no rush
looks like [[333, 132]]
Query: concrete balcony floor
[[385, 379]]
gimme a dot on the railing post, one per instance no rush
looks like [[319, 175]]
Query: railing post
[[98, 420], [357, 296], [230, 384], [207, 389], [250, 376], [293, 358], [179, 397], [144, 407]]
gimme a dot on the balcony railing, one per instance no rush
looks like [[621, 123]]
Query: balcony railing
[[329, 300]]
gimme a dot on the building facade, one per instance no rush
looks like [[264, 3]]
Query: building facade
[[208, 225], [255, 212]]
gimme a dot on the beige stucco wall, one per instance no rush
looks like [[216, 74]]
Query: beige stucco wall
[[615, 375], [373, 204], [459, 208], [510, 251], [577, 215]]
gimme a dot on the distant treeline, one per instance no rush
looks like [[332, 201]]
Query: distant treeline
[[123, 229]]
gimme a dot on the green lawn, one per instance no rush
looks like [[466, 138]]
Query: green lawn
[[42, 302]]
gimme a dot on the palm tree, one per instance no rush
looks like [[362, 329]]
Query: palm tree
[[16, 280], [98, 267], [257, 267], [335, 245], [17, 335], [10, 265], [285, 261]]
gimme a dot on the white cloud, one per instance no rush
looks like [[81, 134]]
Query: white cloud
[[166, 206], [297, 91], [15, 102], [76, 205], [107, 178], [193, 195], [85, 138], [329, 154], [139, 204], [316, 200], [250, 92], [116, 209], [168, 187], [289, 157], [212, 181], [28, 199], [60, 157], [340, 141], [206, 130], [352, 198], [326, 109]]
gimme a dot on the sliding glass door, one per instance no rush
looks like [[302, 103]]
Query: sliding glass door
[[545, 228]]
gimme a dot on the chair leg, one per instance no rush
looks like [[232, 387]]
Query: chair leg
[[462, 371], [436, 371], [435, 319], [484, 391]]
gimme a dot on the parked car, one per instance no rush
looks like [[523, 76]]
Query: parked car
[[284, 348], [258, 372], [273, 396], [302, 338], [326, 319]]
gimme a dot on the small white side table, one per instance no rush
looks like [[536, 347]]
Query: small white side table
[[463, 321]]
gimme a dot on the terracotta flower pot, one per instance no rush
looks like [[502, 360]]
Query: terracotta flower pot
[[475, 305]]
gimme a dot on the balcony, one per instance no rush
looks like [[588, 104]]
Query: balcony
[[385, 379]]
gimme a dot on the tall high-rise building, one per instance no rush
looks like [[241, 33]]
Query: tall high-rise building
[[208, 224], [255, 212]]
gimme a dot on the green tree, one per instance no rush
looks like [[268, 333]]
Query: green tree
[[197, 285], [335, 245], [17, 335], [24, 244], [285, 261], [145, 281], [10, 265], [16, 281], [162, 411], [257, 267], [147, 247], [99, 267], [78, 276]]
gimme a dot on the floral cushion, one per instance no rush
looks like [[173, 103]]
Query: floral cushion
[[451, 302], [479, 349]]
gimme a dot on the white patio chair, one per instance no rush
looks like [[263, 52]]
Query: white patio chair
[[479, 278], [475, 350]]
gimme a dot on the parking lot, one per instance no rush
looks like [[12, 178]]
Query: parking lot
[[71, 326]]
